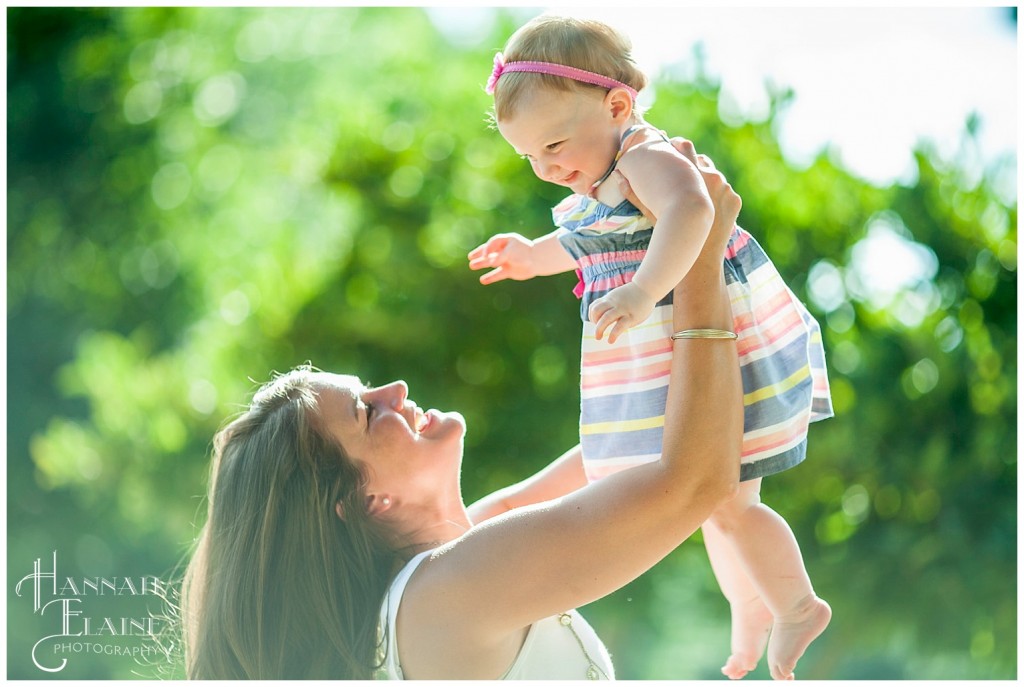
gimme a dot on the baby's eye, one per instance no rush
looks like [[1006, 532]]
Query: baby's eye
[[554, 146]]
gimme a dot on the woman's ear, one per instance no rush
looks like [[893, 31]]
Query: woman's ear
[[377, 504], [620, 104], [374, 506]]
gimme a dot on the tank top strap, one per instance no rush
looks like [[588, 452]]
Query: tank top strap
[[389, 666], [629, 132], [618, 156], [637, 127]]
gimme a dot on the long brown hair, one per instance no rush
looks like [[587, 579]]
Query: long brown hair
[[279, 586]]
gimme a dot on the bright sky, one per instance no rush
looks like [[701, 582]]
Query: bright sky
[[872, 80]]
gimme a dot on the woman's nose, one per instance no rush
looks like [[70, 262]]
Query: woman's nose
[[394, 394]]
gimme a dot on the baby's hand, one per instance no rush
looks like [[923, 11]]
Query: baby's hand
[[625, 307], [511, 256]]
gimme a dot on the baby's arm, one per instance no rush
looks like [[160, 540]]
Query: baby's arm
[[515, 257], [671, 187]]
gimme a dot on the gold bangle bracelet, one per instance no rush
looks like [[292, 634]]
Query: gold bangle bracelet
[[704, 334]]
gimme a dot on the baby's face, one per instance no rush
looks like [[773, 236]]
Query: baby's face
[[569, 137]]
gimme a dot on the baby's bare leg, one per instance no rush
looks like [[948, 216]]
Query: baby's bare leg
[[751, 619], [770, 555]]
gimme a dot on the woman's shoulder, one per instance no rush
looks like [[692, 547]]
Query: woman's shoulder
[[431, 598], [389, 666], [559, 647]]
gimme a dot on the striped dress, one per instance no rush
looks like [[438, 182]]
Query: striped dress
[[624, 385]]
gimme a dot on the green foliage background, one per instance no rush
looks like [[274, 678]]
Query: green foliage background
[[197, 197]]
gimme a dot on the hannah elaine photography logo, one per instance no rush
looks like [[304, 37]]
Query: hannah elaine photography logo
[[64, 602]]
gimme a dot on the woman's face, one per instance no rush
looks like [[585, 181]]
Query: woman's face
[[406, 450]]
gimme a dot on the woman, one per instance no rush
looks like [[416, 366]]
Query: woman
[[338, 546]]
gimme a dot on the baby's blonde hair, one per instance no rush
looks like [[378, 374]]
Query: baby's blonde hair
[[582, 43]]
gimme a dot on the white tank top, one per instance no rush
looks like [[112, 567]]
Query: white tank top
[[562, 647]]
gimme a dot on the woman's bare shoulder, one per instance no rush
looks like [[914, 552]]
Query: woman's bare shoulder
[[460, 651]]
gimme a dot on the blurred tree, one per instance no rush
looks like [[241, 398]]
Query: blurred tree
[[199, 196]]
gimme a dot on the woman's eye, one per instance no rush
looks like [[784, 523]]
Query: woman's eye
[[369, 412]]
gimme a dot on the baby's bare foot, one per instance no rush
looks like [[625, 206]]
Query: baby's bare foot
[[793, 633], [751, 624]]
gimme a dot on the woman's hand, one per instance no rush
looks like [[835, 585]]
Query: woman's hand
[[727, 202]]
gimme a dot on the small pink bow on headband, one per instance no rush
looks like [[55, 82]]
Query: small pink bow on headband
[[499, 67]]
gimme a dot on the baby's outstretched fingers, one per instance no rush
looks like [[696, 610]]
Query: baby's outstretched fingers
[[494, 275], [486, 253], [477, 252], [480, 261], [510, 254]]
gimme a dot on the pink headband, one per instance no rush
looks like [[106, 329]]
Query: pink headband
[[501, 67]]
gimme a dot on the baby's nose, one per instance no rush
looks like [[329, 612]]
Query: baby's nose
[[549, 172]]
